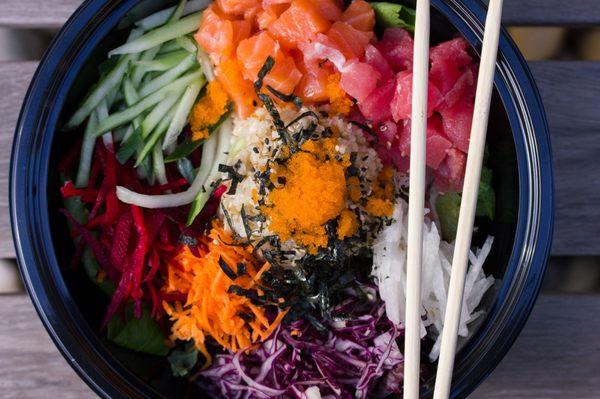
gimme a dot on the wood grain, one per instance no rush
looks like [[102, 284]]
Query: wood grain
[[557, 355], [30, 364], [571, 94], [14, 80], [53, 13]]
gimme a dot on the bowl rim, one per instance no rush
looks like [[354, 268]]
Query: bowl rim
[[77, 342]]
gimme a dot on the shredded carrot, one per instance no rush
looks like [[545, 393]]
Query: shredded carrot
[[211, 309]]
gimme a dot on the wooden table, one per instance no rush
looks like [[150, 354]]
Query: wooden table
[[558, 353]]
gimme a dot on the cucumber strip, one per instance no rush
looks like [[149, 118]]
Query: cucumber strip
[[188, 196], [139, 73], [158, 165], [204, 61], [107, 137], [106, 84], [156, 135], [181, 114], [210, 182], [161, 17], [132, 144], [160, 35], [169, 47], [187, 44], [163, 63], [186, 169], [87, 150], [129, 114], [177, 12], [158, 113], [168, 77]]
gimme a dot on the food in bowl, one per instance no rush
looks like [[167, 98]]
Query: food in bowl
[[239, 193]]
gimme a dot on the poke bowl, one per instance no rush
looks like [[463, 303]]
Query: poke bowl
[[208, 199]]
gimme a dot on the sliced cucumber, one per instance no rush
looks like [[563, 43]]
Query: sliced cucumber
[[168, 77], [181, 114], [156, 135], [129, 114], [160, 35], [161, 17], [87, 151], [158, 113]]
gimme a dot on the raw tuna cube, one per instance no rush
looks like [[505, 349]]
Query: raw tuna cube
[[376, 107], [359, 79], [448, 60], [457, 123], [437, 144], [464, 87], [449, 176], [397, 48], [374, 58], [402, 102]]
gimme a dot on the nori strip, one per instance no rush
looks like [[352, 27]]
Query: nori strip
[[244, 217], [286, 98], [264, 70], [366, 129], [302, 116], [226, 269]]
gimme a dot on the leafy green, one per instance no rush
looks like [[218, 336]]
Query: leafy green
[[183, 150], [183, 360], [141, 335], [391, 15], [447, 207], [486, 198], [91, 267]]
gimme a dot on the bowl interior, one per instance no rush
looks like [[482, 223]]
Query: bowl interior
[[155, 370]]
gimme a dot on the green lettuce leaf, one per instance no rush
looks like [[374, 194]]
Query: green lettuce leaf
[[141, 335], [392, 15]]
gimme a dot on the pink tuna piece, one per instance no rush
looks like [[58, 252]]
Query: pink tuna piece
[[463, 88], [448, 61], [401, 104], [359, 79], [437, 144], [397, 48], [376, 107], [449, 176], [374, 58], [457, 123]]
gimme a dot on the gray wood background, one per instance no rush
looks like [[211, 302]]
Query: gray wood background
[[558, 354]]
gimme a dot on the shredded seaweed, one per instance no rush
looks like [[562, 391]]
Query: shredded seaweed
[[226, 269], [244, 218], [233, 175], [302, 116], [264, 70], [366, 129], [286, 98]]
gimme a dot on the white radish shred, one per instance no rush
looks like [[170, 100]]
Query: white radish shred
[[219, 139], [389, 268]]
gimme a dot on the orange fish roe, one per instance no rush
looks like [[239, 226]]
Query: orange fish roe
[[211, 107], [340, 102], [314, 193], [354, 188], [347, 224], [211, 310], [381, 202]]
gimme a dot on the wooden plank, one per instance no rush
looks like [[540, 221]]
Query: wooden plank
[[36, 13], [551, 12], [30, 365], [561, 335], [53, 13], [572, 98], [571, 94], [556, 356], [14, 80]]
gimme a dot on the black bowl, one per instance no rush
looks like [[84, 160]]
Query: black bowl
[[71, 307]]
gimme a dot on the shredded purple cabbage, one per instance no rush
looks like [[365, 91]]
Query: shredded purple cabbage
[[357, 358]]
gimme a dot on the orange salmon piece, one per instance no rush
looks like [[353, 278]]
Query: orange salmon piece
[[241, 31], [253, 52], [237, 7], [284, 77], [270, 14], [298, 24], [240, 90], [315, 77], [215, 35], [351, 42], [330, 9], [360, 15]]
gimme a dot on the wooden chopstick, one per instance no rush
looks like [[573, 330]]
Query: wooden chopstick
[[416, 202], [485, 86]]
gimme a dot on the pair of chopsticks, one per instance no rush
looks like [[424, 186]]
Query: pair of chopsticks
[[485, 85]]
